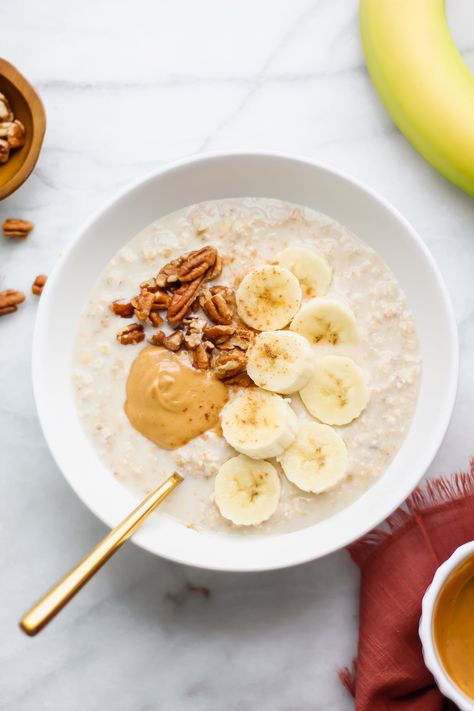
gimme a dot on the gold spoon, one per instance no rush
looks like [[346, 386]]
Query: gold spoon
[[55, 599]]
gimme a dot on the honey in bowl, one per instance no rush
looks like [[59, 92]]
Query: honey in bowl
[[453, 626]]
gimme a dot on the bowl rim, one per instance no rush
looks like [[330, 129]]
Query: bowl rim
[[38, 120], [451, 378], [425, 629]]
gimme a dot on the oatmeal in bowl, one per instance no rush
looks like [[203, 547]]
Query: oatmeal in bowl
[[259, 348]]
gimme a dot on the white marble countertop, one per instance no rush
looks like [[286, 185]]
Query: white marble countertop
[[128, 86]]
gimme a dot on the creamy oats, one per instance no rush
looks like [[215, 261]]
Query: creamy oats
[[249, 232]]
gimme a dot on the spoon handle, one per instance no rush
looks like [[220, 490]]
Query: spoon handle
[[55, 599]]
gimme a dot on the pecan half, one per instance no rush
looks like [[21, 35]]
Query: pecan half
[[201, 358], [181, 301], [196, 264], [38, 284], [230, 363], [218, 334], [124, 309], [216, 307], [9, 300], [172, 342], [194, 332], [17, 228], [131, 335]]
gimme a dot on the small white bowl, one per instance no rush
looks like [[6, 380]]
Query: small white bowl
[[430, 653], [243, 175]]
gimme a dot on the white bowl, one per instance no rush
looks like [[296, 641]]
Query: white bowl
[[238, 175], [430, 654]]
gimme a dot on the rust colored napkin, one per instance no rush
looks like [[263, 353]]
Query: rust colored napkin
[[397, 564]]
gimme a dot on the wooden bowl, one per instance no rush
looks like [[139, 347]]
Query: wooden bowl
[[29, 109]]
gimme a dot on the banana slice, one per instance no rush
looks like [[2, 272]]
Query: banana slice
[[309, 267], [268, 298], [281, 361], [317, 459], [326, 321], [247, 491], [337, 391], [258, 423]]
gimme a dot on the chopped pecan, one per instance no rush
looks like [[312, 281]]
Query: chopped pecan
[[194, 332], [131, 335], [155, 319], [201, 359], [242, 339], [219, 333], [172, 342], [161, 301], [168, 275], [230, 363], [17, 228], [216, 307], [9, 300], [196, 264], [227, 293], [124, 309], [143, 304], [38, 284], [242, 380], [181, 301], [4, 151]]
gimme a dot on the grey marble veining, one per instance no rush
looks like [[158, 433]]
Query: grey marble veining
[[128, 86]]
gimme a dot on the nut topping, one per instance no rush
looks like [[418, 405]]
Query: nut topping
[[124, 309], [38, 284], [142, 305], [218, 334], [155, 319], [12, 131], [17, 228], [242, 338], [181, 301], [196, 264], [172, 342], [9, 300], [216, 307], [201, 359], [168, 275], [230, 363], [131, 334], [194, 332]]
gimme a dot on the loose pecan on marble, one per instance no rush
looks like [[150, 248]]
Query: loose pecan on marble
[[9, 300], [38, 284], [17, 228], [131, 335]]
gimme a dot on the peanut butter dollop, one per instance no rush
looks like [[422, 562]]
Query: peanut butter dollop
[[170, 402]]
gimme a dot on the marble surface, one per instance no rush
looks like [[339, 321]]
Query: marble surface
[[129, 86]]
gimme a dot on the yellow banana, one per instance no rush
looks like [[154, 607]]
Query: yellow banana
[[423, 81]]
